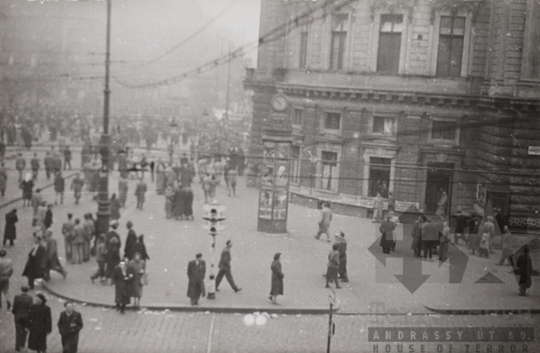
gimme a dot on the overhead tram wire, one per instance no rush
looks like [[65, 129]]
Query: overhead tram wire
[[190, 37], [272, 35]]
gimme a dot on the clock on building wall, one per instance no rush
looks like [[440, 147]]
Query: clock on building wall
[[279, 102]]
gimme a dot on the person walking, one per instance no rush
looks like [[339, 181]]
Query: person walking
[[77, 185], [231, 179], [67, 232], [20, 164], [137, 271], [340, 239], [170, 194], [430, 238], [21, 314], [6, 270], [40, 324], [508, 247], [207, 186], [524, 265], [89, 232], [59, 188], [53, 263], [101, 259], [122, 285], [27, 185], [67, 158], [277, 278], [69, 325], [140, 192], [3, 179], [196, 272], [178, 201], [37, 200], [225, 268], [34, 165], [131, 240], [78, 242], [416, 234], [444, 241], [115, 207], [461, 224], [324, 221], [48, 220], [387, 230], [123, 188], [333, 266], [10, 229], [36, 264], [113, 244], [188, 203], [160, 176], [489, 228]]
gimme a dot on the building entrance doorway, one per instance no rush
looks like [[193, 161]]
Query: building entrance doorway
[[439, 188]]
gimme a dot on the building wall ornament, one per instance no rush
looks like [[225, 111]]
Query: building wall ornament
[[392, 6], [454, 6]]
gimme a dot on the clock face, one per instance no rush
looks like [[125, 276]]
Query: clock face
[[279, 103]]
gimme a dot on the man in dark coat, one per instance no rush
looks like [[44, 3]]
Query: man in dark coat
[[131, 240], [113, 244], [21, 314], [34, 164], [69, 325], [67, 158], [430, 238], [196, 272], [59, 188], [10, 231], [48, 221], [178, 202], [122, 284], [524, 264], [225, 268], [53, 263], [36, 265], [40, 324], [387, 240]]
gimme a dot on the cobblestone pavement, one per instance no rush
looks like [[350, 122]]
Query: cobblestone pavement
[[160, 331]]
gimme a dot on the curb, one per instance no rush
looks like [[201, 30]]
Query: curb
[[483, 311], [191, 309]]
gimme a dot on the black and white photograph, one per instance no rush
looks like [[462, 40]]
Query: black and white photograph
[[238, 176]]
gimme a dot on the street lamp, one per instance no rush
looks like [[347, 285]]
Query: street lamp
[[213, 223], [103, 214]]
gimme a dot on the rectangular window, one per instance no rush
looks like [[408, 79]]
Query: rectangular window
[[332, 121], [389, 44], [379, 176], [295, 164], [382, 125], [338, 40], [298, 115], [531, 49], [443, 130], [450, 53], [303, 49], [329, 177]]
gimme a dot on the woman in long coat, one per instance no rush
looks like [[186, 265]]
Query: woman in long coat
[[115, 207], [277, 279], [136, 270], [122, 283], [10, 231], [178, 202], [140, 247], [36, 265], [524, 264], [188, 203], [40, 324]]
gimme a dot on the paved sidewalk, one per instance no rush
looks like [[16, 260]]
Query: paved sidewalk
[[373, 287]]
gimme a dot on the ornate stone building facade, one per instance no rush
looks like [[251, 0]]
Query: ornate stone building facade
[[428, 100]]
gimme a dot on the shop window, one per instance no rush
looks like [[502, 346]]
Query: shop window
[[379, 176]]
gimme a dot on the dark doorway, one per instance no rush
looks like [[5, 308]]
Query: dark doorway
[[439, 188]]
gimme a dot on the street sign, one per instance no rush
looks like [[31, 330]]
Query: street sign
[[534, 150]]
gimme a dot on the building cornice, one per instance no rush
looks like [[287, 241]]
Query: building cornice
[[400, 97]]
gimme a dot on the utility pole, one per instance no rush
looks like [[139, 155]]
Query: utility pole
[[103, 214]]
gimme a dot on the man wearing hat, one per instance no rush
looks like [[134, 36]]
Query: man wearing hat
[[21, 313], [340, 239], [225, 268], [6, 270], [196, 272]]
